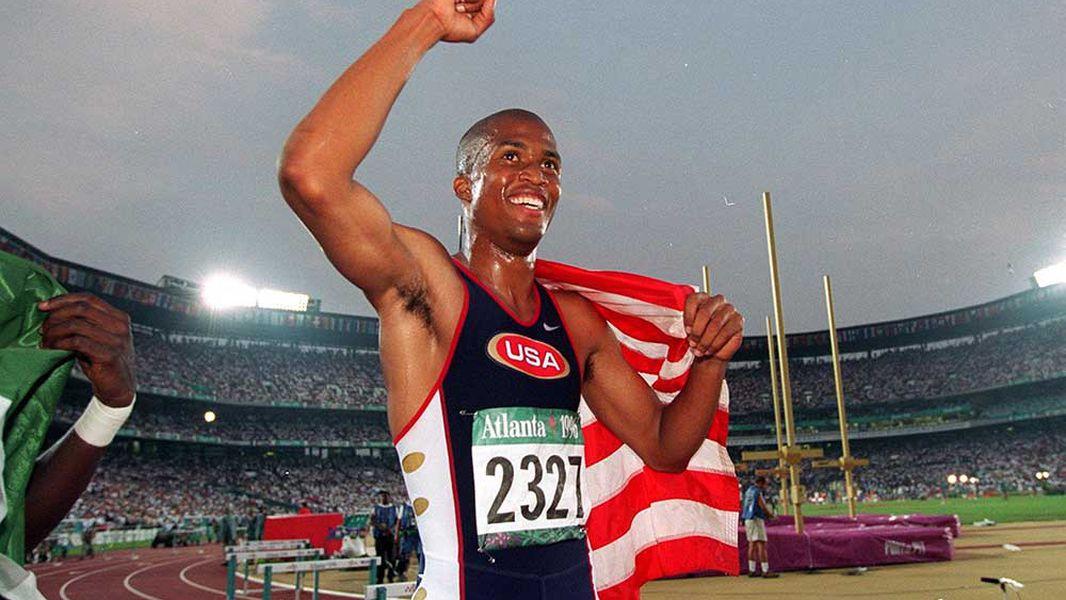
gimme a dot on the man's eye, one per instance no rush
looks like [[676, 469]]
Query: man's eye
[[551, 164], [510, 155]]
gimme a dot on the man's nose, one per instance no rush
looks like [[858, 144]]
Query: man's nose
[[533, 174]]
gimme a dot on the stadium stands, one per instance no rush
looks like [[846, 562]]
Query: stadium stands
[[299, 401], [1003, 459], [133, 490], [242, 371]]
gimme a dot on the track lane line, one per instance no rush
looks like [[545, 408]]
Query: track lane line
[[122, 563], [129, 587]]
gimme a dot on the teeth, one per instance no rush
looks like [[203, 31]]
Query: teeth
[[528, 201]]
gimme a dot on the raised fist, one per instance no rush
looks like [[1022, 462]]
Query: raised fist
[[715, 329], [463, 20]]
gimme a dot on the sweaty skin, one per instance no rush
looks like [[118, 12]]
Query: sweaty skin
[[508, 187]]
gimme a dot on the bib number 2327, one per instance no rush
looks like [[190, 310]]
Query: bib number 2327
[[528, 464]]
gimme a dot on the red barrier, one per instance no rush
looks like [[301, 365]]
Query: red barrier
[[314, 527]]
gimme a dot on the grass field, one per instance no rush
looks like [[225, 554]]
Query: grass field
[[1015, 508]]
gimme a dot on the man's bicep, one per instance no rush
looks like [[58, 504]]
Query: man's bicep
[[620, 398], [360, 240]]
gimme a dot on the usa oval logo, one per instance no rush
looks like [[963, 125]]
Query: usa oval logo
[[529, 356]]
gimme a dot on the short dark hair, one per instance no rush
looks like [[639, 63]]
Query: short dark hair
[[469, 146], [761, 479]]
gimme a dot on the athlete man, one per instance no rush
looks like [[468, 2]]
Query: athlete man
[[481, 363]]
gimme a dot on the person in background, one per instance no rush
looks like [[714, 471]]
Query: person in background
[[755, 513], [410, 542], [385, 523]]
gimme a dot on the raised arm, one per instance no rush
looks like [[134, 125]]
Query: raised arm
[[665, 437], [322, 154]]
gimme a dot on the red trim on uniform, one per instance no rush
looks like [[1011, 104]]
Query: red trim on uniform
[[562, 320], [443, 369], [455, 497], [496, 299]]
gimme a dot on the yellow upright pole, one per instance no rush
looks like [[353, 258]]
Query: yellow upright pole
[[706, 279], [845, 450], [781, 469], [792, 453]]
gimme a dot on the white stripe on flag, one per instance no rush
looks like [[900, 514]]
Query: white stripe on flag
[[608, 477], [649, 349], [667, 320], [660, 522]]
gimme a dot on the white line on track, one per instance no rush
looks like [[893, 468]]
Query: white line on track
[[63, 590], [185, 579], [135, 591]]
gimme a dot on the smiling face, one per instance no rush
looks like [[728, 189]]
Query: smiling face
[[508, 180]]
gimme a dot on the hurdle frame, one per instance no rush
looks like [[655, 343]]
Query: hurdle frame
[[372, 563]]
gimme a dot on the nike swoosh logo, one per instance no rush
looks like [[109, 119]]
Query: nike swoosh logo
[[550, 328]]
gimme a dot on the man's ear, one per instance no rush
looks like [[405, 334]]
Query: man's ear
[[461, 187]]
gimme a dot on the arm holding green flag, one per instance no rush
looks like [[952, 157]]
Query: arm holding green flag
[[99, 337], [43, 330]]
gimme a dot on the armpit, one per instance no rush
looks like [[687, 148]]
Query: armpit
[[415, 298]]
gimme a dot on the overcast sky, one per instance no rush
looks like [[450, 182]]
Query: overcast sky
[[916, 151]]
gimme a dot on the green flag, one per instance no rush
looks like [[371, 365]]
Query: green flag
[[31, 380]]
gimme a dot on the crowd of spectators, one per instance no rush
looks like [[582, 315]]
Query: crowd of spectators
[[1003, 459], [131, 490], [249, 426], [258, 373], [1032, 353]]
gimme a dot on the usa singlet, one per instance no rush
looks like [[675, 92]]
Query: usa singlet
[[494, 457]]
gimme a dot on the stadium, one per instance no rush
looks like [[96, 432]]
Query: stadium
[[960, 412], [367, 300]]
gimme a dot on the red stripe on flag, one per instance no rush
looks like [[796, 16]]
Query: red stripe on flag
[[636, 327], [610, 520], [670, 385], [640, 362], [675, 557], [601, 443]]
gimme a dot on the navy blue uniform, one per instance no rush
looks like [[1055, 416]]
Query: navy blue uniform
[[473, 380]]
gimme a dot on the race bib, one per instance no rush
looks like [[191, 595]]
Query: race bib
[[528, 464]]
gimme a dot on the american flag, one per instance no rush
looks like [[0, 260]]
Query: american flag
[[646, 524]]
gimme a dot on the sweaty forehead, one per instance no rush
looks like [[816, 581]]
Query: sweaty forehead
[[527, 130]]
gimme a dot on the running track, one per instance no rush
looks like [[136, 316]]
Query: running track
[[193, 573]]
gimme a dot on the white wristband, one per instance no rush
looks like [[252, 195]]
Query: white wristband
[[99, 423]]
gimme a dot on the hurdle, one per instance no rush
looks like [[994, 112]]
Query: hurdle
[[314, 567], [384, 591], [244, 557], [268, 545]]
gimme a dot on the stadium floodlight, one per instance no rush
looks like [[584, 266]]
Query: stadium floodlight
[[209, 416], [225, 291], [1051, 275], [964, 478], [267, 298], [952, 479]]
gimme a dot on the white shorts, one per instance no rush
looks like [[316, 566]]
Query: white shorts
[[755, 529]]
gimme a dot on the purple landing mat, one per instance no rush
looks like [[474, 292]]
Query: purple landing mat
[[950, 521], [838, 545]]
